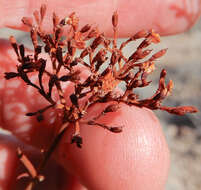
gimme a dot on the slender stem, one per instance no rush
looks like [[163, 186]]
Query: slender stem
[[61, 94], [53, 146]]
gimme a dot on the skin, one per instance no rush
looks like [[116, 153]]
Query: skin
[[166, 17], [137, 158]]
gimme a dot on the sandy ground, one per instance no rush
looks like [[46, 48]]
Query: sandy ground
[[183, 63]]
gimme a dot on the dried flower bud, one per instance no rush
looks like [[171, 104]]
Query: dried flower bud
[[85, 28], [155, 37], [116, 129], [10, 75], [93, 33], [77, 139], [106, 43], [14, 45], [43, 9], [55, 19], [36, 16], [150, 67], [85, 52], [21, 47], [71, 49], [51, 83], [74, 76], [158, 54], [40, 117], [97, 42], [38, 49], [170, 87], [140, 34], [111, 108], [80, 44], [115, 19], [59, 55], [12, 40], [145, 43], [31, 113], [163, 74], [180, 110], [74, 99], [47, 48], [27, 21]]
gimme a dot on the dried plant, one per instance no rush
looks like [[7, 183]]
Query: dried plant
[[99, 87]]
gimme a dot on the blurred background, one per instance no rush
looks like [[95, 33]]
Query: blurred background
[[183, 134], [183, 63]]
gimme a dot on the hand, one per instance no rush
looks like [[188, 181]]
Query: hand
[[138, 158]]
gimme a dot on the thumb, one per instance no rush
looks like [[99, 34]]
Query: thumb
[[137, 158], [166, 17]]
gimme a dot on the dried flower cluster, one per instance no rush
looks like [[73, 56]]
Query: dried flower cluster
[[99, 87]]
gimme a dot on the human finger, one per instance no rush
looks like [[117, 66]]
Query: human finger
[[166, 17], [137, 158]]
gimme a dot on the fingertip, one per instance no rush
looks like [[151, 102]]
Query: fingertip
[[133, 159]]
